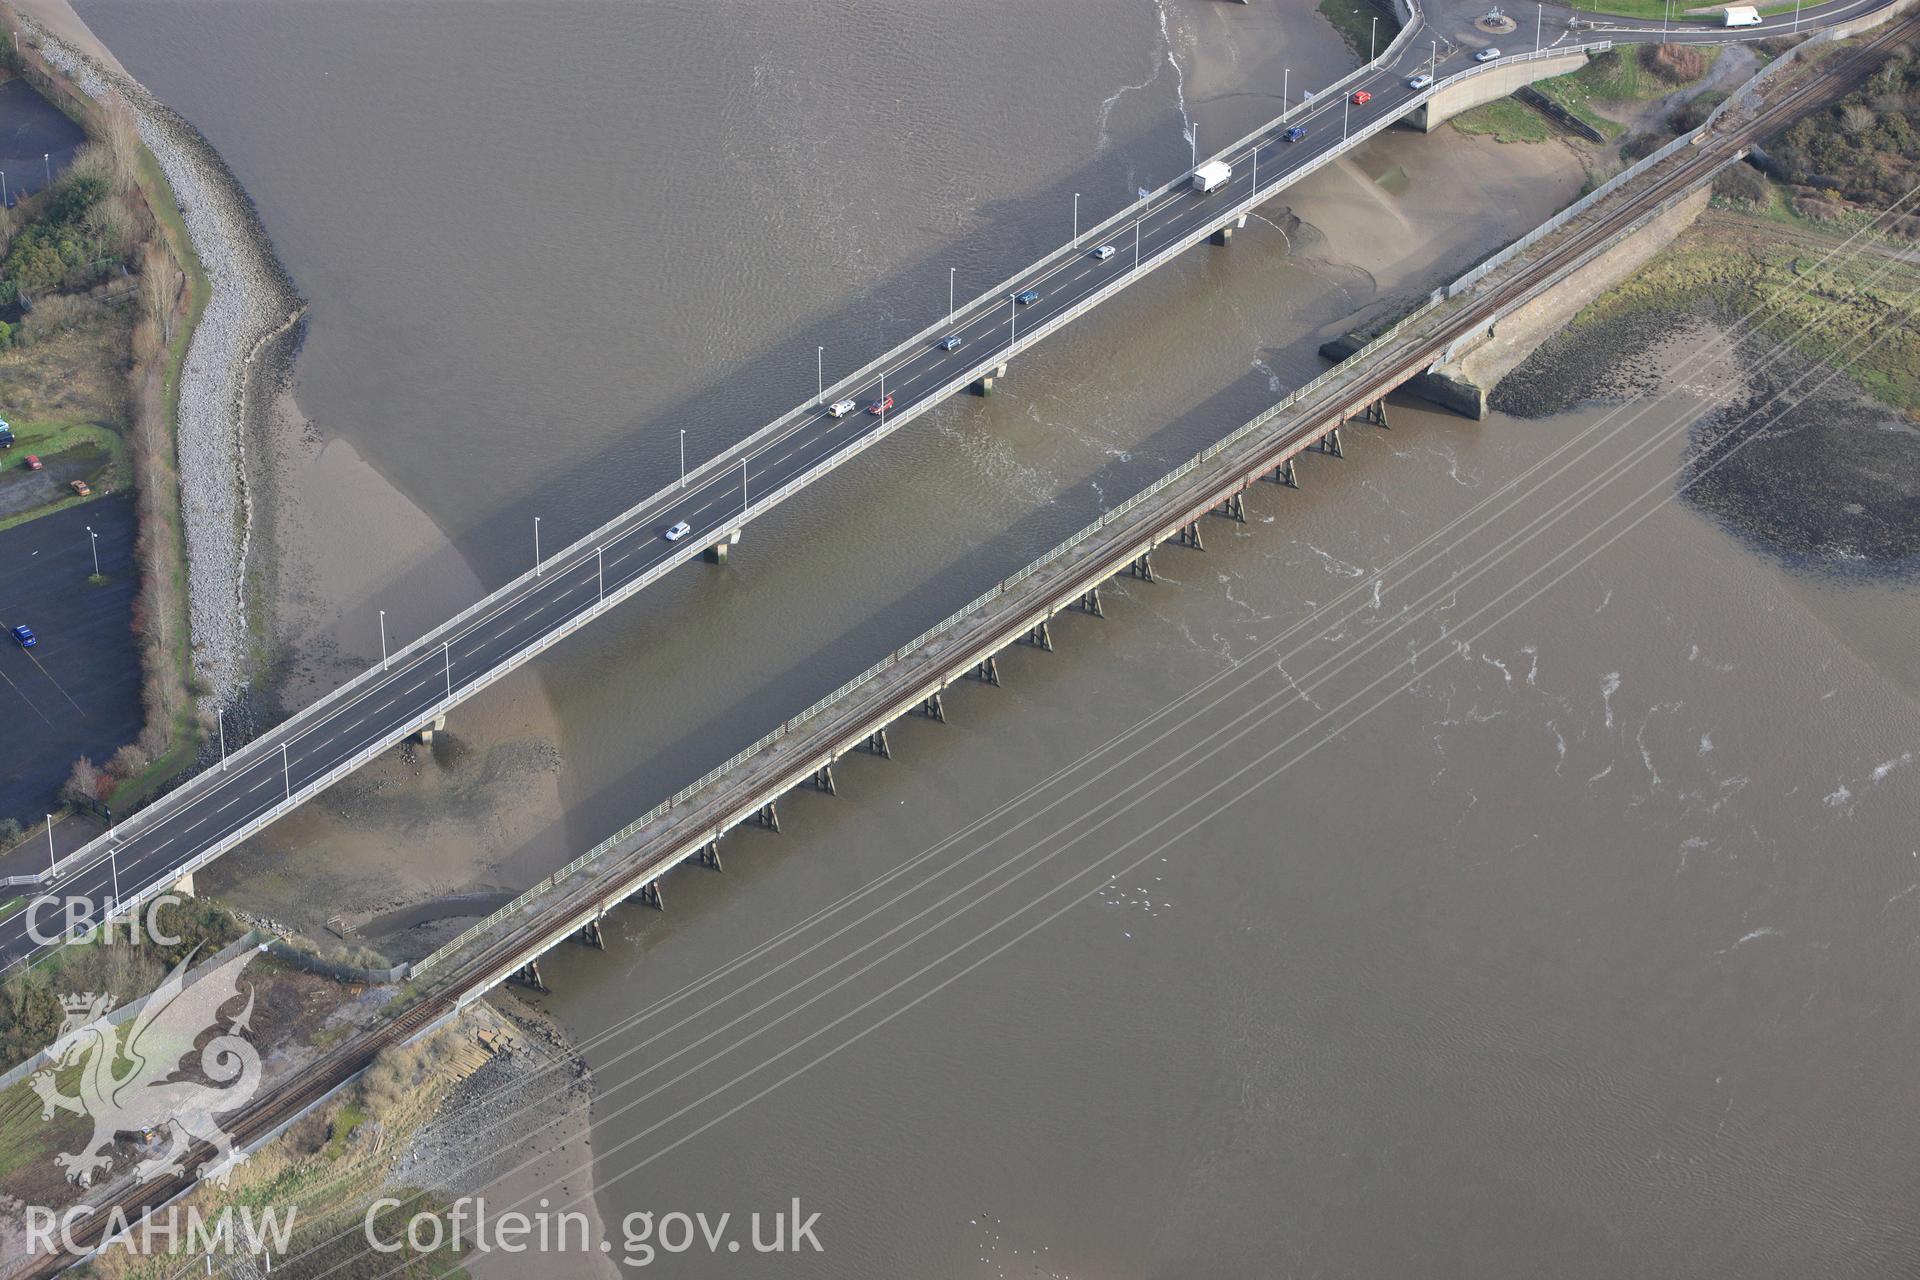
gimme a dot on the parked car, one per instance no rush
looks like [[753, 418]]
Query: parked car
[[82, 488], [1420, 81], [842, 408], [23, 636], [678, 531], [1361, 97], [952, 342], [1486, 55], [33, 463], [880, 406], [1296, 133], [6, 435], [1104, 252], [1027, 297]]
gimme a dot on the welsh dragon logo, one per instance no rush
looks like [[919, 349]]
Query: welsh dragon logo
[[126, 1072]]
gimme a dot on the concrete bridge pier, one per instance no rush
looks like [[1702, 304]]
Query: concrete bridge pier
[[1284, 475], [649, 896], [437, 725], [933, 708], [1040, 637], [1089, 602], [709, 854], [1224, 236], [528, 975], [1142, 567], [877, 744], [1190, 536], [769, 816], [983, 386], [823, 779], [717, 553], [1234, 508], [1375, 413], [988, 672], [1330, 443], [591, 936]]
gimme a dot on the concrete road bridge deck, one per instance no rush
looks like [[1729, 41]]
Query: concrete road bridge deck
[[416, 687], [690, 826]]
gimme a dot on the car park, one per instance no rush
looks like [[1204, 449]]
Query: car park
[[1104, 252], [842, 408], [678, 531], [1420, 81], [880, 406], [1361, 97], [1296, 133], [1486, 55], [24, 637], [1027, 297], [952, 342], [33, 463]]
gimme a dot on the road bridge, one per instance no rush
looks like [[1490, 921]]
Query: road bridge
[[975, 344], [691, 825]]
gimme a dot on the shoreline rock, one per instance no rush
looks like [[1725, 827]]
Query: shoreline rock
[[252, 307]]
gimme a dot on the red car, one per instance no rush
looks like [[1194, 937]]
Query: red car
[[33, 463], [1361, 97], [880, 406]]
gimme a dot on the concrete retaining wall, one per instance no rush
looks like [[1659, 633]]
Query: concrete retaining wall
[[1490, 87], [1464, 384]]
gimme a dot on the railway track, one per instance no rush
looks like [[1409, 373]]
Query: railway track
[[1571, 249]]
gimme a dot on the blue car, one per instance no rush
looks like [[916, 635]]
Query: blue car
[[23, 636], [953, 343], [1296, 133], [1027, 298]]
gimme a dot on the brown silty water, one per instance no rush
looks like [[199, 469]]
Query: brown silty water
[[1415, 912]]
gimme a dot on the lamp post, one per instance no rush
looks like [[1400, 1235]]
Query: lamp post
[[1136, 244], [1539, 18], [113, 865], [1076, 217], [1373, 40], [446, 653], [286, 770], [53, 864], [1286, 73], [820, 372], [1193, 141], [1433, 60], [220, 722], [683, 457], [48, 157], [950, 271], [1346, 109], [383, 639], [3, 189], [600, 571], [94, 541], [883, 400], [536, 546]]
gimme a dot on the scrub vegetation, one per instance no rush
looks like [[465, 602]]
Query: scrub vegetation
[[1354, 20], [1844, 312], [115, 289], [1860, 155]]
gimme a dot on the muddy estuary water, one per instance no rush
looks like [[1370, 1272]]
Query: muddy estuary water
[[1480, 862]]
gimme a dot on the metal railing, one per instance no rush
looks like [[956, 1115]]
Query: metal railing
[[917, 645], [585, 547]]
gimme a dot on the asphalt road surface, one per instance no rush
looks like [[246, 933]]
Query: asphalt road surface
[[217, 809]]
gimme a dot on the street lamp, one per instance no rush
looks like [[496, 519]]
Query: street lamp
[[1136, 244], [383, 639], [94, 541], [536, 546], [1373, 40], [683, 457], [220, 721], [53, 864], [3, 189], [446, 652], [1076, 217], [950, 271], [48, 157], [1285, 74], [1193, 145], [820, 372], [1539, 17], [286, 770]]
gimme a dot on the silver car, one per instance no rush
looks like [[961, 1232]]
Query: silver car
[[1486, 55], [842, 408], [1420, 82]]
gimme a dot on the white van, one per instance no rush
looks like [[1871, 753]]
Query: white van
[[1743, 16]]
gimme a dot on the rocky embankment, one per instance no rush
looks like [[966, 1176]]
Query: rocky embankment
[[252, 307]]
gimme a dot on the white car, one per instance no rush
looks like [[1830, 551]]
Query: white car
[[1104, 252], [1420, 82], [678, 532], [1486, 55], [842, 409]]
